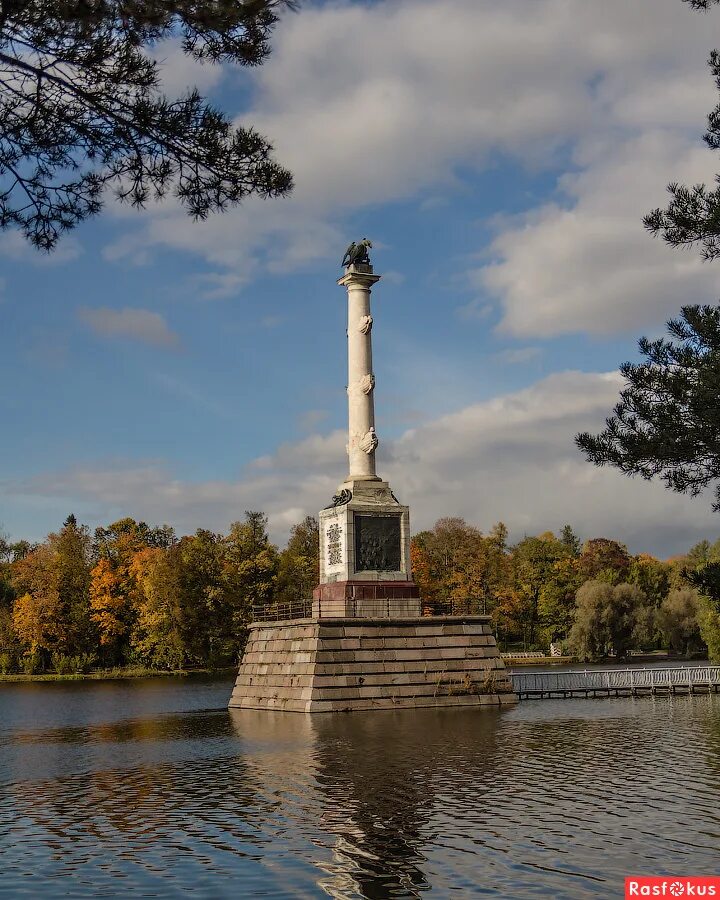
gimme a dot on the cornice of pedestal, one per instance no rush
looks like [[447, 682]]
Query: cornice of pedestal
[[359, 274]]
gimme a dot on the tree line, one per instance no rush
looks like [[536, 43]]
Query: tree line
[[134, 595], [594, 599]]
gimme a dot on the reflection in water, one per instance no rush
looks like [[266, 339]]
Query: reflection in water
[[387, 788], [157, 790]]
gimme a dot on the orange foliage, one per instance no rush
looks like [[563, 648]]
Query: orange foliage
[[108, 602], [420, 565]]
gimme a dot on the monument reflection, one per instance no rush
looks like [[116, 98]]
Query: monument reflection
[[381, 782]]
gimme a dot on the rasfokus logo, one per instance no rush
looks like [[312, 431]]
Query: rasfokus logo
[[658, 886]]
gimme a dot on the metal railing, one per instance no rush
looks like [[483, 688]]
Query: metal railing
[[281, 612], [363, 608], [608, 682]]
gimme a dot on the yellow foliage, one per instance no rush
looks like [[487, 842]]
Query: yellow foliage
[[35, 620]]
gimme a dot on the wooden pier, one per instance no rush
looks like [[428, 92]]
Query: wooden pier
[[617, 682]]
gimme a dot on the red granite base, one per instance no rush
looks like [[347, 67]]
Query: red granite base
[[366, 599], [367, 590]]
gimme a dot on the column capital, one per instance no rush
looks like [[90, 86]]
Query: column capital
[[359, 275]]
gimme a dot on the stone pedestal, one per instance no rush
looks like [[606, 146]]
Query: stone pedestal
[[337, 665], [365, 555]]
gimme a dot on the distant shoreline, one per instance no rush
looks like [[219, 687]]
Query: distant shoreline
[[118, 675]]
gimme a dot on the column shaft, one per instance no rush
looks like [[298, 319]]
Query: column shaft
[[361, 382]]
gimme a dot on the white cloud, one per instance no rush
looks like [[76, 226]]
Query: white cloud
[[512, 458], [368, 103], [134, 324], [590, 266]]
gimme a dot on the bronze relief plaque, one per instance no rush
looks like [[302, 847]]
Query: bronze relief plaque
[[377, 543]]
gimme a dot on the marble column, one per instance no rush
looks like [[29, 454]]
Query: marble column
[[362, 439]]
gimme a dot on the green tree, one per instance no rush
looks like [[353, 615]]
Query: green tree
[[299, 564], [81, 108], [699, 554], [666, 423], [535, 568], [72, 548], [557, 600], [679, 619], [693, 215], [570, 540], [250, 565], [209, 592], [709, 619], [652, 576], [606, 619], [7, 595], [668, 420]]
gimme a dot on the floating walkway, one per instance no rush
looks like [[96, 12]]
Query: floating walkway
[[617, 682]]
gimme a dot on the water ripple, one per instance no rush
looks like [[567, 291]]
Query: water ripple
[[158, 791]]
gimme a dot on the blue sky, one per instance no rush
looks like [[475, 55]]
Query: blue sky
[[501, 158]]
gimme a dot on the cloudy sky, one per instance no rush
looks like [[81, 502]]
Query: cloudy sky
[[500, 156]]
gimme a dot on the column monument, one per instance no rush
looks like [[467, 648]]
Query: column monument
[[363, 641], [365, 533]]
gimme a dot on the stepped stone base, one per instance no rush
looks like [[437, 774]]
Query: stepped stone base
[[342, 664]]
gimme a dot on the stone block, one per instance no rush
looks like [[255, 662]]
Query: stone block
[[315, 666]]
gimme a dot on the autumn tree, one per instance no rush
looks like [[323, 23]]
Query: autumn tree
[[82, 109], [114, 589], [37, 618], [604, 559], [420, 565], [52, 610], [120, 540], [109, 605], [158, 636], [458, 567]]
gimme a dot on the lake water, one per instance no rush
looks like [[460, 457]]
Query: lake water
[[153, 789]]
